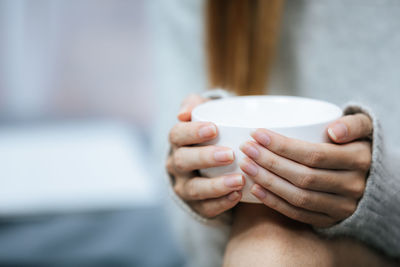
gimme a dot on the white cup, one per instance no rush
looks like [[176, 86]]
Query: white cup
[[236, 117]]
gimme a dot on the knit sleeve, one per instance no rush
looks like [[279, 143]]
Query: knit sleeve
[[376, 220], [224, 218]]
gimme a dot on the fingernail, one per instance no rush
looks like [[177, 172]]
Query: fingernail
[[233, 181], [233, 196], [249, 167], [258, 191], [250, 150], [207, 131], [338, 131], [223, 155], [262, 137]]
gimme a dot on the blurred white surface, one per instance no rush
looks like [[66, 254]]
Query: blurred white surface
[[95, 58], [72, 167]]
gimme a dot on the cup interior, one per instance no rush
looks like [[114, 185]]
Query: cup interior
[[266, 111]]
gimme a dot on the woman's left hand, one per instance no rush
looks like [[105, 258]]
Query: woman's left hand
[[315, 183]]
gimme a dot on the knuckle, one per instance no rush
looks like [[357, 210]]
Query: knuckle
[[307, 179], [209, 211], [172, 136], [272, 203], [272, 163], [302, 200], [315, 157], [348, 209], [169, 165], [267, 181], [299, 215], [178, 189], [364, 123], [179, 159], [364, 161], [191, 191], [282, 148], [358, 120], [357, 188]]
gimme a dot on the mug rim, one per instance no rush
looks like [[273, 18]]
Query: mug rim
[[199, 117]]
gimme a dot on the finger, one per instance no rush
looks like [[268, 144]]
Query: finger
[[170, 166], [348, 183], [188, 159], [350, 127], [298, 214], [213, 207], [201, 188], [335, 206], [188, 104], [318, 155], [190, 133]]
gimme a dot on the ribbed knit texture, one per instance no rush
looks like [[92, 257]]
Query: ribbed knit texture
[[377, 218], [339, 51]]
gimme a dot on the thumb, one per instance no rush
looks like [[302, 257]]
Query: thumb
[[188, 104], [349, 128]]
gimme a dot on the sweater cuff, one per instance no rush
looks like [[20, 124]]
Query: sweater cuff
[[376, 218], [224, 218]]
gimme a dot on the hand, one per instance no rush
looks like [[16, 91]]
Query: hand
[[315, 183], [208, 196]]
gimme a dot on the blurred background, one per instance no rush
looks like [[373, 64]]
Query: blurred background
[[88, 90]]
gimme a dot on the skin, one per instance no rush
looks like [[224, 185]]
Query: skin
[[208, 196], [318, 184], [260, 236], [300, 184]]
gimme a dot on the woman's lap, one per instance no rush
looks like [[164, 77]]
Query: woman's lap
[[263, 237]]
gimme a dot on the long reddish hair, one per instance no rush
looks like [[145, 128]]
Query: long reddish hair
[[241, 39]]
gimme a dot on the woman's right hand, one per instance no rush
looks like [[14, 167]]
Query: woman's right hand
[[207, 196]]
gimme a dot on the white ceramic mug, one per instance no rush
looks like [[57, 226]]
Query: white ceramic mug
[[236, 117]]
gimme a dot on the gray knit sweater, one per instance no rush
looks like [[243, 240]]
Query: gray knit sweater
[[349, 51]]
